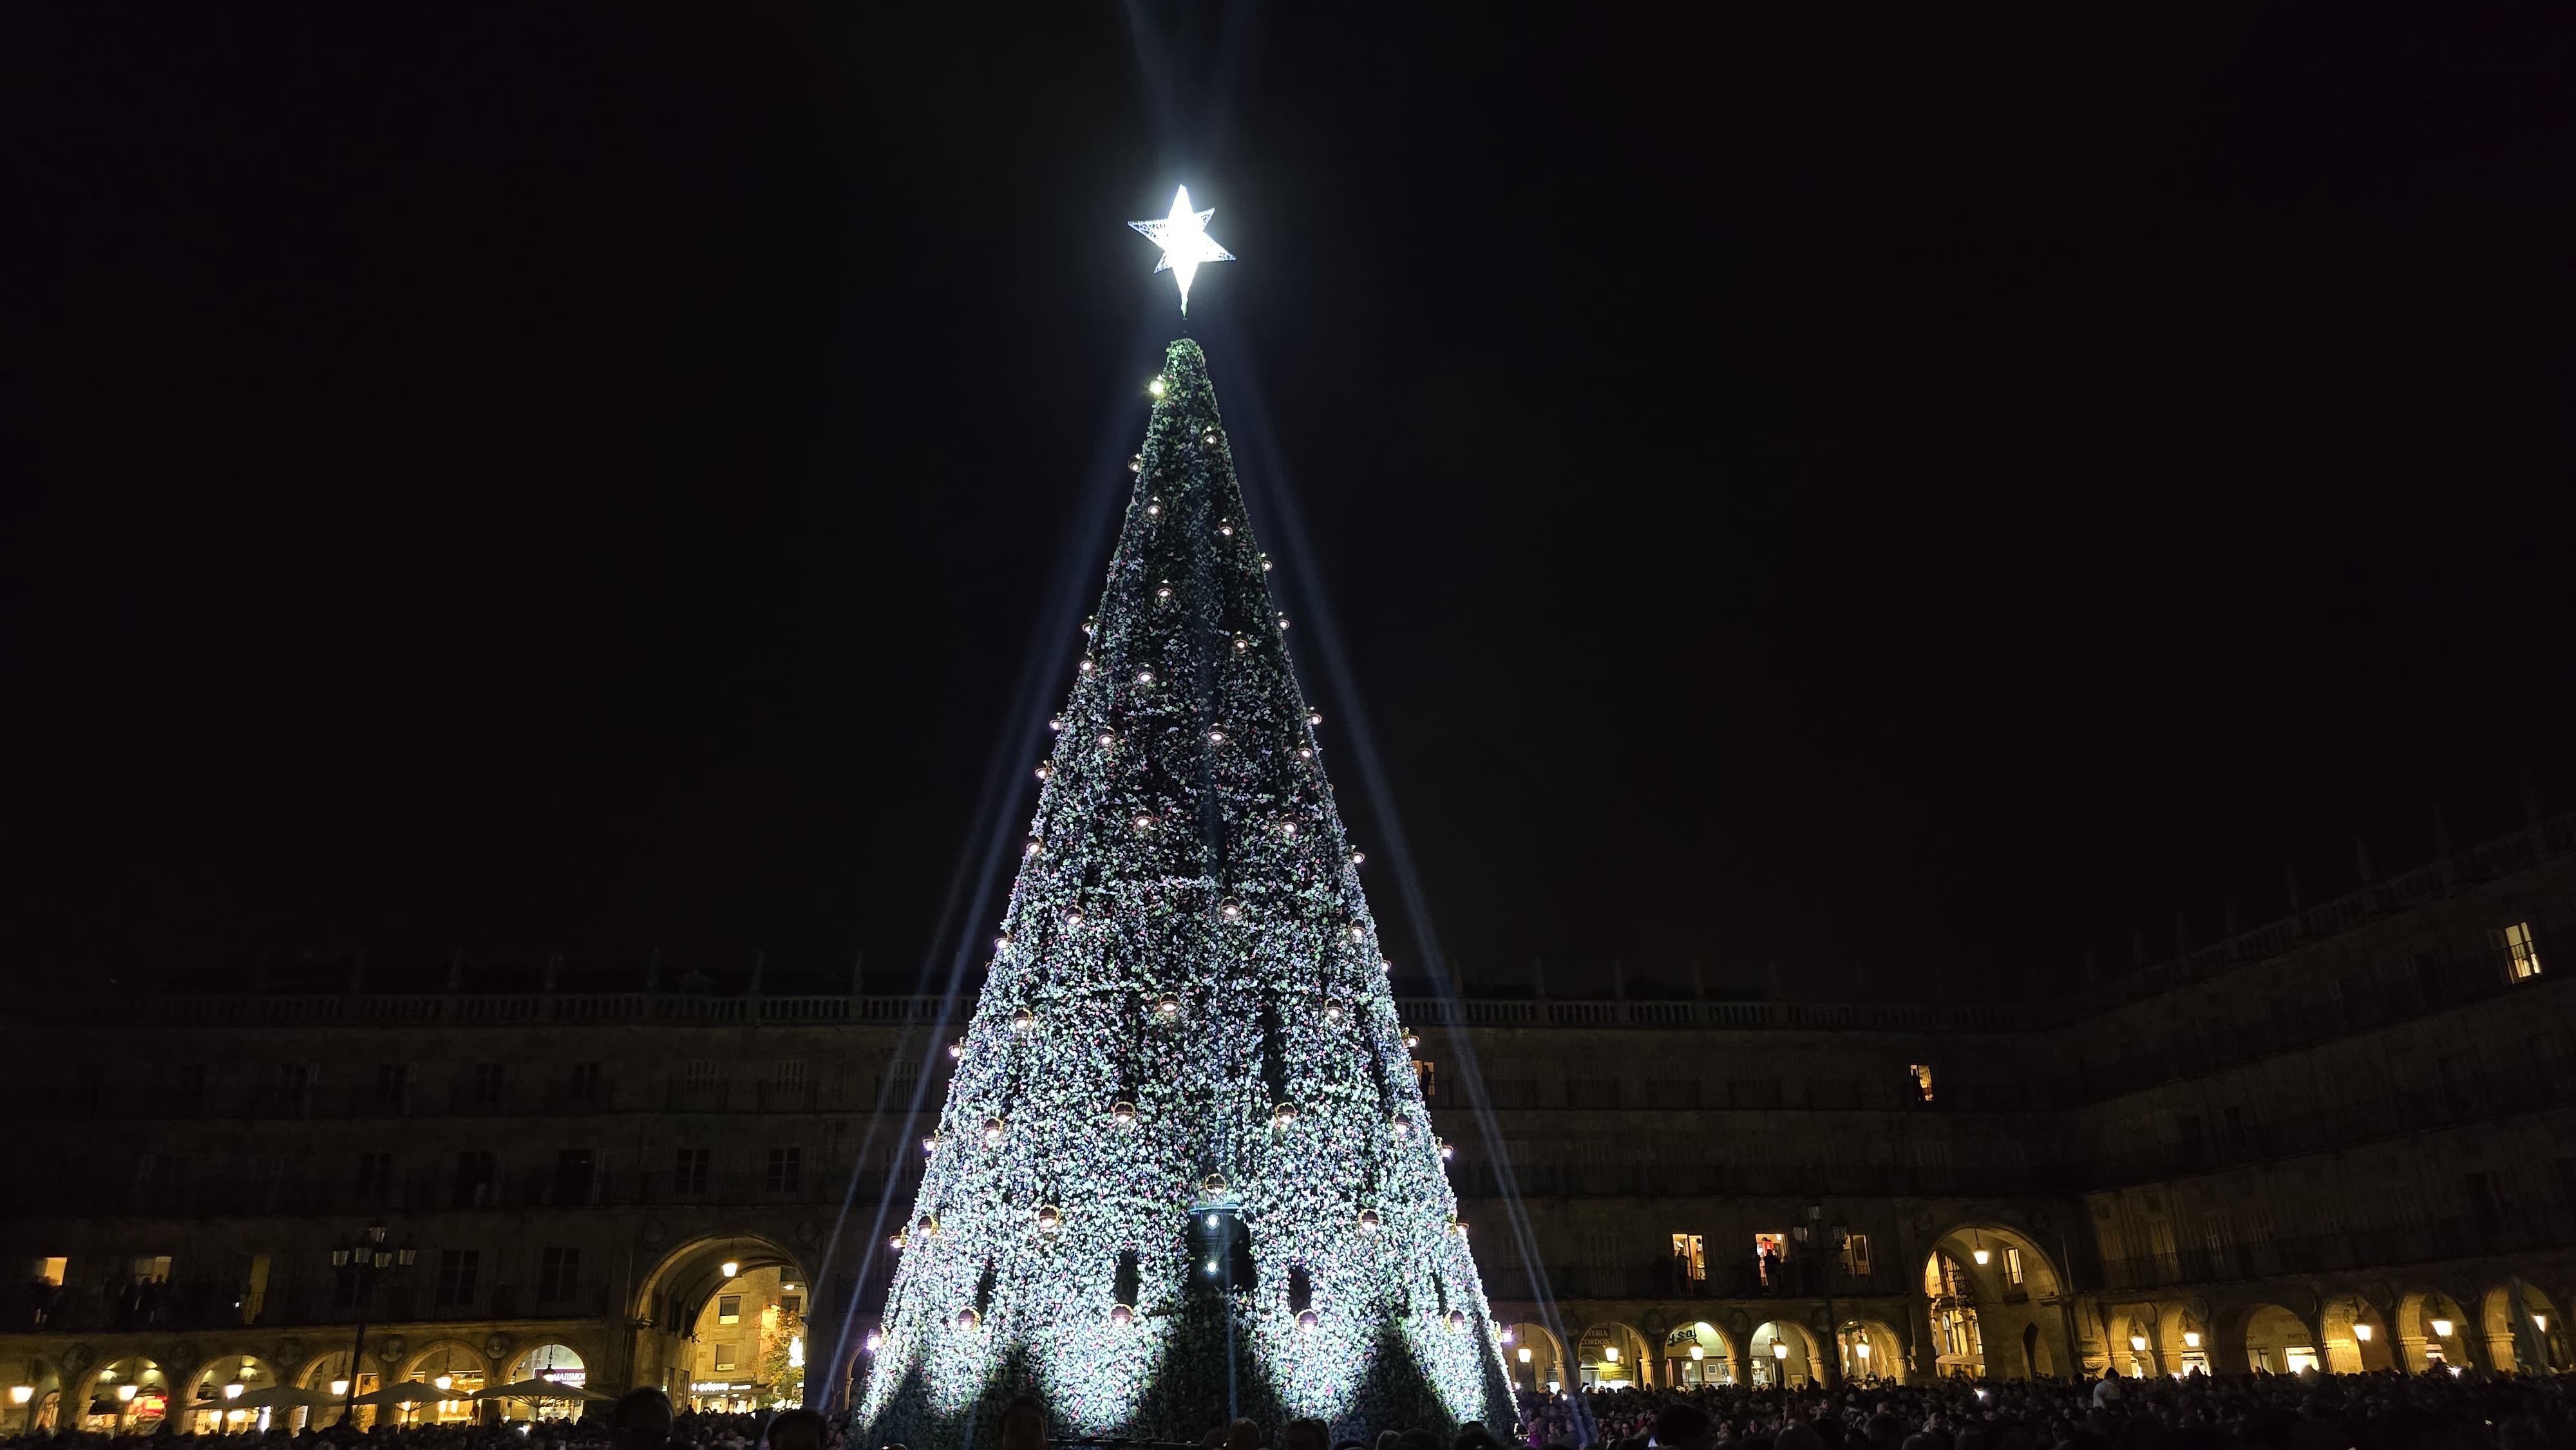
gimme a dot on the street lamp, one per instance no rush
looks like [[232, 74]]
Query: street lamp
[[369, 1258], [2441, 1329], [1779, 1349]]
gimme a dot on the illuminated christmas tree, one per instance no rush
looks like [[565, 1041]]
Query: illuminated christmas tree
[[1185, 1167]]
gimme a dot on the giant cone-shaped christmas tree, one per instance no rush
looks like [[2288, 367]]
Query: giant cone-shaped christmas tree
[[1185, 1162]]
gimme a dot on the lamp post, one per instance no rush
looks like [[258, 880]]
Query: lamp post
[[368, 1258]]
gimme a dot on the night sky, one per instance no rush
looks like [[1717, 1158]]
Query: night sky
[[1900, 495]]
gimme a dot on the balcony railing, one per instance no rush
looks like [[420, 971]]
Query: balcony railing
[[25, 1196], [2420, 1241]]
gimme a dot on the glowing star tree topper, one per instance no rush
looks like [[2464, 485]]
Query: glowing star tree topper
[[1185, 242]]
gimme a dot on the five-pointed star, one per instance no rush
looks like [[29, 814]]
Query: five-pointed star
[[1185, 242]]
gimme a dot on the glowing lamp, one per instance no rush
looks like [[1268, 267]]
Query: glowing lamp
[[1332, 1010], [957, 1049], [1308, 1319], [21, 1394], [233, 1391], [928, 1227], [897, 1242], [993, 1132], [2361, 1332], [1610, 1354], [1183, 237], [1698, 1353], [1122, 1313], [930, 1144], [445, 1381], [1284, 1114], [1447, 1149], [1358, 856], [1369, 1221], [1457, 1320], [125, 1391], [1213, 1184], [1412, 1040], [2442, 1328], [2540, 1322], [1981, 1256], [1073, 918], [967, 1318], [1505, 1332], [2138, 1342], [339, 1387], [1358, 932], [1023, 1020], [1122, 1113], [1050, 1217], [1167, 1006], [1862, 1349], [729, 1268], [1156, 386], [1779, 1349], [1525, 1354], [1231, 911], [874, 1342], [2191, 1339]]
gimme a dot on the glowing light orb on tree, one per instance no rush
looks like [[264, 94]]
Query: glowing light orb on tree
[[1184, 1167]]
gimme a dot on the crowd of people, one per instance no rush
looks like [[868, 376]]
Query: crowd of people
[[2309, 1411]]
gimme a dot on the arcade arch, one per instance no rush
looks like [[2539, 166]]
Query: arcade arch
[[1870, 1349], [1536, 1356], [1781, 1353], [1995, 1304], [2276, 1341], [2432, 1330], [208, 1406], [2357, 1338], [727, 1317], [452, 1366], [2522, 1329], [1698, 1354], [125, 1397], [1611, 1355]]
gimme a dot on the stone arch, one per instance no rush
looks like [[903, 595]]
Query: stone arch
[[2129, 1332], [2421, 1340], [2521, 1328], [1716, 1361], [2262, 1337], [670, 1301], [1546, 1359], [454, 1359], [2358, 1337], [1997, 1286], [201, 1402], [99, 1386], [2184, 1340], [1767, 1365], [1871, 1348], [1611, 1353]]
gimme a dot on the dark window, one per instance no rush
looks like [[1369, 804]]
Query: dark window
[[491, 1080], [691, 1174], [1511, 1092], [457, 1272], [583, 1085], [1753, 1093], [558, 1275], [786, 1168], [1592, 1092], [791, 1305], [1673, 1092], [475, 1173], [393, 1083], [574, 1170], [294, 1084], [375, 1177]]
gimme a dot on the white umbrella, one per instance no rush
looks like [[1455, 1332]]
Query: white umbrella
[[541, 1390], [412, 1392], [281, 1397]]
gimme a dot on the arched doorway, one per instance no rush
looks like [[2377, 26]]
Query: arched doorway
[[553, 1362], [2357, 1338], [458, 1370], [1536, 1358], [1987, 1287], [2185, 1344], [1870, 1350], [2432, 1332], [1697, 1354], [129, 1397], [681, 1300], [1612, 1356], [2522, 1328], [2277, 1341], [329, 1373], [2132, 1343], [1780, 1353], [209, 1407], [33, 1410]]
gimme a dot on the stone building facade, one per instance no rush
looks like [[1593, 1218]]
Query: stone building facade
[[2342, 1137]]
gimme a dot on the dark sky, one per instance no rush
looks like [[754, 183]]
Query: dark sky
[[1932, 489]]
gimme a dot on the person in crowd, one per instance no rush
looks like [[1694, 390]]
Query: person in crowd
[[641, 1420]]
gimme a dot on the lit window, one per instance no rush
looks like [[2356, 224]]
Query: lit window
[[1768, 1251], [1921, 1072], [153, 1270], [728, 1311], [2522, 953], [1423, 1072], [50, 1270], [2012, 1264], [724, 1356], [1856, 1255], [1689, 1258]]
